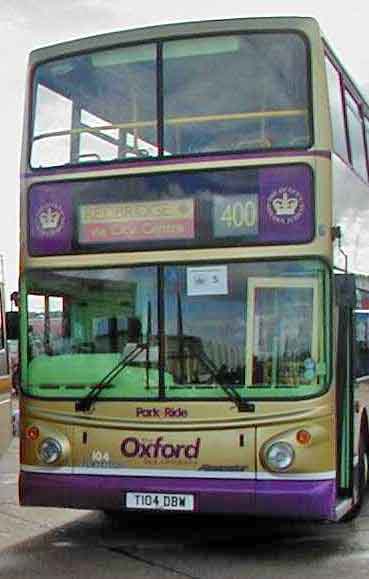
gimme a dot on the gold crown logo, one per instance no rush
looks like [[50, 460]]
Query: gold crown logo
[[285, 205], [50, 218]]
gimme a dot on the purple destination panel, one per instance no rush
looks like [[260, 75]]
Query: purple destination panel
[[50, 219], [286, 204]]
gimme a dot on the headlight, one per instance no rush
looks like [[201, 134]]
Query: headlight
[[279, 456], [50, 450]]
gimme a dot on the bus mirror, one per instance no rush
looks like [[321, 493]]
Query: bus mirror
[[12, 325], [345, 289]]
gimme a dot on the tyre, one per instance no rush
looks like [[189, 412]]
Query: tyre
[[361, 482], [362, 471]]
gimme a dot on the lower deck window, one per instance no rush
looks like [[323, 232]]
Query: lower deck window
[[259, 328]]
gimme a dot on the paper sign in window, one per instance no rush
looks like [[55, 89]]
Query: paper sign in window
[[206, 281]]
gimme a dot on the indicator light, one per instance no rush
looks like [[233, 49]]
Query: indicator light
[[303, 437], [33, 432]]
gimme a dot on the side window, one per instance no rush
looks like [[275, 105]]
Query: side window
[[36, 325], [356, 136], [337, 115], [45, 324], [361, 343]]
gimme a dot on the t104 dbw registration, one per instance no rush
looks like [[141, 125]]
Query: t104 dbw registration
[[160, 501]]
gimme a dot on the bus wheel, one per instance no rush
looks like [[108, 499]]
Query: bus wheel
[[363, 468], [361, 480]]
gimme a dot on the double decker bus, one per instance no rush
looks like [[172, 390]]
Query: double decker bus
[[5, 374], [191, 241]]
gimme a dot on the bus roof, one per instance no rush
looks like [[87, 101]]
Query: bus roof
[[146, 34]]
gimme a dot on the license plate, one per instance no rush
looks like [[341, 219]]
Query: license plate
[[160, 501]]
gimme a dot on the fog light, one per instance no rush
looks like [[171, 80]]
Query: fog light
[[50, 450], [279, 456]]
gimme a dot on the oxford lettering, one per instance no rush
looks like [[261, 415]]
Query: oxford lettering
[[132, 447]]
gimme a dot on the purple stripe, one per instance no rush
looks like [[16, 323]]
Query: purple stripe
[[290, 499], [296, 499], [326, 154]]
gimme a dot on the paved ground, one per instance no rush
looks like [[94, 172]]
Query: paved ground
[[55, 543], [20, 523]]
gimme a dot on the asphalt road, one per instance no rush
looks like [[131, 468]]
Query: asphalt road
[[56, 543]]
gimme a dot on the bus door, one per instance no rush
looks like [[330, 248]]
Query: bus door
[[346, 301]]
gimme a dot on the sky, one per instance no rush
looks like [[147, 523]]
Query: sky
[[29, 24]]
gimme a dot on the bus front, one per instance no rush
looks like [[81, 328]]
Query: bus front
[[175, 283]]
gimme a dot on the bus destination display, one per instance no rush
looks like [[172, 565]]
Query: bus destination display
[[203, 208], [108, 223]]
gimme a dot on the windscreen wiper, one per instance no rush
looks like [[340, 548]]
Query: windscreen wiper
[[84, 404], [242, 404], [233, 395]]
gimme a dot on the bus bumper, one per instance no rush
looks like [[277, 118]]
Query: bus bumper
[[308, 500]]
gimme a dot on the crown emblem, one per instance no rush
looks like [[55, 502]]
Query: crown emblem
[[50, 219], [285, 205]]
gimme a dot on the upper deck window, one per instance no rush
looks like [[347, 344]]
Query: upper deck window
[[337, 114], [356, 135], [217, 94], [95, 107], [232, 93]]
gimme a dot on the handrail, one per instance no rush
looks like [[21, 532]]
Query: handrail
[[176, 121]]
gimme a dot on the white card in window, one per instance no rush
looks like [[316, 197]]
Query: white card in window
[[207, 281]]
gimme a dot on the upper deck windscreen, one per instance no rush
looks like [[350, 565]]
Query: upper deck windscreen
[[246, 91]]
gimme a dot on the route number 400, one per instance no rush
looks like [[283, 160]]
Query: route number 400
[[240, 214]]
